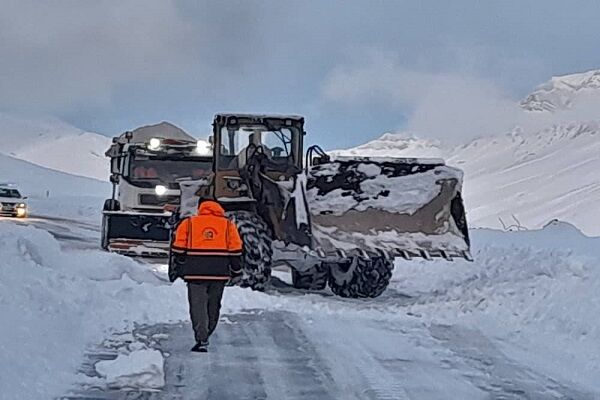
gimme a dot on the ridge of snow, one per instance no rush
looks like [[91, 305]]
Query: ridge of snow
[[53, 143], [562, 92], [398, 144]]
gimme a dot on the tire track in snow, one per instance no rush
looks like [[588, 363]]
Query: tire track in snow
[[251, 356], [498, 375]]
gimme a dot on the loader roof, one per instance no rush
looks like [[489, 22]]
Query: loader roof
[[261, 116]]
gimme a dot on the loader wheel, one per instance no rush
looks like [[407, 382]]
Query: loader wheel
[[361, 277], [314, 278], [257, 256]]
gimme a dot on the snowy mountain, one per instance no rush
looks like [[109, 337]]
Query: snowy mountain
[[396, 143], [563, 92], [527, 176], [52, 143]]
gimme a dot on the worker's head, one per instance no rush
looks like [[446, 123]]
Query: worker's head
[[203, 199]]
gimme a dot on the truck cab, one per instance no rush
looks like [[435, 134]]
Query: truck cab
[[147, 166]]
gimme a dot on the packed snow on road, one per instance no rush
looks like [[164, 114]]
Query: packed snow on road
[[517, 323]]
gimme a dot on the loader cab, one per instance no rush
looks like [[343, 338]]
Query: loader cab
[[274, 142]]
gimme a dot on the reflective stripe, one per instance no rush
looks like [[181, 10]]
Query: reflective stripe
[[208, 253], [208, 278]]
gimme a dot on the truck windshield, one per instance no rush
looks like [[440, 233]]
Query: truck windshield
[[10, 193], [167, 171], [238, 144]]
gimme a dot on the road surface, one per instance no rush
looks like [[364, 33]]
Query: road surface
[[283, 355], [292, 354]]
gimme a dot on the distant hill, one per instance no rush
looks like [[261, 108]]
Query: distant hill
[[52, 143], [534, 174], [35, 180]]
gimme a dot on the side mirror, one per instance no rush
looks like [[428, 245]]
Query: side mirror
[[211, 139], [25, 198], [114, 178], [114, 165], [321, 159]]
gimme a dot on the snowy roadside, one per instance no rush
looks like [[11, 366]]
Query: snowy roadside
[[55, 303], [533, 293], [87, 209]]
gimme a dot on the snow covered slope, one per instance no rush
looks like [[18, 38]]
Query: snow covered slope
[[52, 143], [534, 174], [563, 92], [69, 195], [35, 180], [392, 144]]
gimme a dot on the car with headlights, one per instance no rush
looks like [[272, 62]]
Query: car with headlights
[[12, 202]]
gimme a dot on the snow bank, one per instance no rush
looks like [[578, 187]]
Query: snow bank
[[140, 369], [538, 287], [53, 304]]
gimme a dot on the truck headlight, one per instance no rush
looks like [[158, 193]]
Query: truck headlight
[[160, 190], [203, 148], [22, 205], [21, 212], [154, 144]]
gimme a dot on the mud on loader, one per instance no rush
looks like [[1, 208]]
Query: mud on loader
[[337, 222]]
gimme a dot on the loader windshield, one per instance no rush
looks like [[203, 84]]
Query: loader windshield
[[239, 144]]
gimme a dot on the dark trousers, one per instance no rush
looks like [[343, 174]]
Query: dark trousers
[[205, 305]]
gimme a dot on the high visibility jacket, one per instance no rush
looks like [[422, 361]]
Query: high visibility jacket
[[207, 245]]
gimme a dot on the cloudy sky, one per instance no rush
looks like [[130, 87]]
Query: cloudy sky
[[355, 69]]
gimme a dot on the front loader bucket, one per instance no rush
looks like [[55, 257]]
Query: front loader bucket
[[392, 207], [136, 234]]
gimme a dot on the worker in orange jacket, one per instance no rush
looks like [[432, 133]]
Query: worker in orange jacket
[[206, 252]]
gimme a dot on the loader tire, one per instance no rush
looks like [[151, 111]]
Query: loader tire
[[314, 278], [258, 253], [361, 277]]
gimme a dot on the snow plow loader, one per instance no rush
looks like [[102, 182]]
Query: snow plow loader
[[339, 222], [146, 166]]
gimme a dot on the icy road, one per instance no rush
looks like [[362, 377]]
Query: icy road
[[488, 330], [281, 355]]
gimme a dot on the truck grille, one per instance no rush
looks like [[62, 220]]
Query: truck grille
[[154, 200]]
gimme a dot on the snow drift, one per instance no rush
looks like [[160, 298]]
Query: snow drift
[[53, 304], [52, 143]]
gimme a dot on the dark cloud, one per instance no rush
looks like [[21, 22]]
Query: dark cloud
[[112, 65]]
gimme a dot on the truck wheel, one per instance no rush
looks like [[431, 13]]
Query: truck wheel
[[104, 233], [314, 278], [258, 253], [361, 277]]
